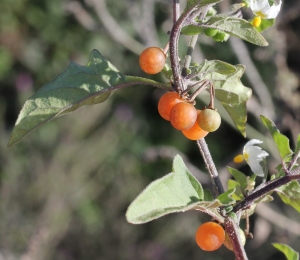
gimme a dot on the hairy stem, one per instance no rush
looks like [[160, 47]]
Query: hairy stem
[[174, 38], [269, 187], [210, 166], [233, 232]]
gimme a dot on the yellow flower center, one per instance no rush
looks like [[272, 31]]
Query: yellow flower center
[[256, 21], [239, 158]]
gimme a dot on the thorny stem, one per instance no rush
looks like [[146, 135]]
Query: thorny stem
[[210, 166]]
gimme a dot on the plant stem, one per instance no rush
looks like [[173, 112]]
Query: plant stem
[[210, 166], [188, 57], [174, 38], [233, 232], [176, 10], [269, 187]]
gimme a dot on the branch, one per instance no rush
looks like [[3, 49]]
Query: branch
[[233, 232], [210, 166], [269, 187], [174, 37]]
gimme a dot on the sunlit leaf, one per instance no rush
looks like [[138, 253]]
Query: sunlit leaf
[[238, 195], [226, 197], [229, 89], [290, 194], [178, 191], [76, 87], [237, 27], [240, 177], [281, 141], [289, 253]]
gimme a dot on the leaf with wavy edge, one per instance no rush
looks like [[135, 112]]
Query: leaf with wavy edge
[[76, 87]]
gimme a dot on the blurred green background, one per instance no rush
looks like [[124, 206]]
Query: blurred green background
[[65, 188]]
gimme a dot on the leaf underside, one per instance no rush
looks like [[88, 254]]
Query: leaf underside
[[229, 89]]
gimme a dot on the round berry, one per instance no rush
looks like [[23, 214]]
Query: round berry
[[227, 241], [210, 236], [209, 120], [166, 102], [210, 32], [220, 37], [183, 116], [152, 60], [195, 132]]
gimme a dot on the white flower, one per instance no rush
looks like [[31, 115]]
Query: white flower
[[263, 9], [253, 155]]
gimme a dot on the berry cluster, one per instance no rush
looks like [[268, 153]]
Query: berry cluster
[[194, 124]]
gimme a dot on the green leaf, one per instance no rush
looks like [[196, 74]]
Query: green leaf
[[201, 3], [290, 194], [298, 145], [281, 141], [226, 197], [289, 253], [239, 177], [77, 86], [238, 195], [176, 192], [229, 89], [237, 27]]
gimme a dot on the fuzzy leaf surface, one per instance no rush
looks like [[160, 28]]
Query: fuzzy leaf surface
[[290, 194], [281, 141], [228, 88], [289, 252], [236, 27], [177, 191], [77, 86]]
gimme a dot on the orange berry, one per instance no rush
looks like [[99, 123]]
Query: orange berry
[[195, 132], [183, 116], [166, 102], [209, 120], [210, 236], [152, 60]]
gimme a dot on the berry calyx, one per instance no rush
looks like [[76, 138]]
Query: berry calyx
[[210, 236], [166, 103], [209, 120], [195, 132], [152, 60], [210, 32], [227, 241], [183, 116]]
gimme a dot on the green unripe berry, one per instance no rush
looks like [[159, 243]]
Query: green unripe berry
[[220, 37], [210, 32], [209, 120]]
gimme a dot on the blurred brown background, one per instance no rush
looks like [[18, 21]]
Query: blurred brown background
[[65, 188]]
